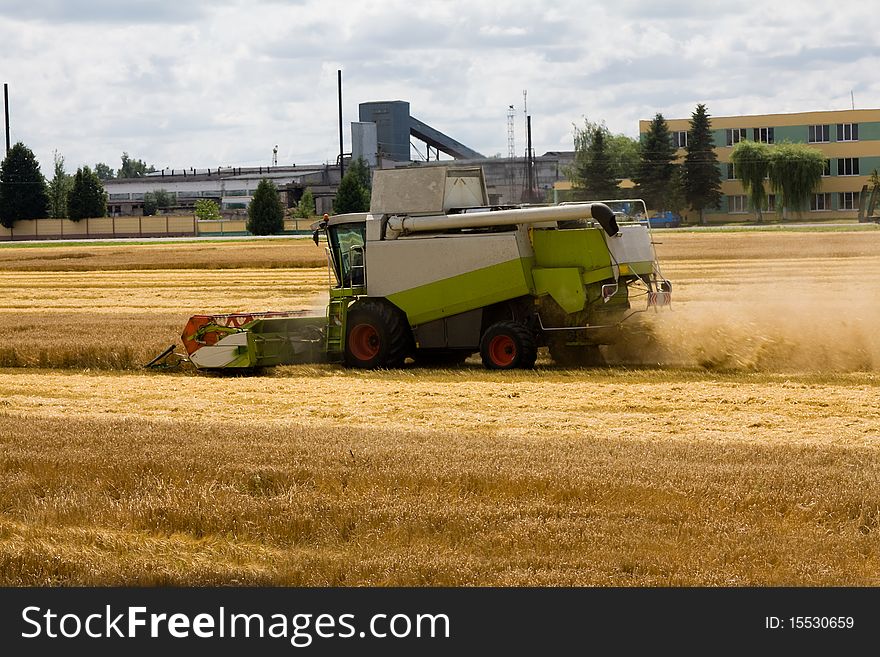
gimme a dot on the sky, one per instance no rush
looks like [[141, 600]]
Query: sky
[[193, 83]]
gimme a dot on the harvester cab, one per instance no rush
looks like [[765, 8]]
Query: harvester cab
[[435, 273]]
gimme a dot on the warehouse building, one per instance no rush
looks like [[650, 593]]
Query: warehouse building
[[231, 187]]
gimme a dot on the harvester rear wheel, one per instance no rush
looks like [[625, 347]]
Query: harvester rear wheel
[[508, 345], [576, 355], [378, 336]]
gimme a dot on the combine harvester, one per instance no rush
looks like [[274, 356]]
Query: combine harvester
[[434, 273]]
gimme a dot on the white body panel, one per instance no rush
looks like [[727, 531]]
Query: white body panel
[[220, 354], [402, 264], [631, 244]]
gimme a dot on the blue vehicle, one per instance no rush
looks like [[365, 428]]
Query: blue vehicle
[[666, 219]]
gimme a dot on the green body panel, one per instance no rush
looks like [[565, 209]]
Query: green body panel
[[584, 248], [458, 294], [564, 284], [640, 268]]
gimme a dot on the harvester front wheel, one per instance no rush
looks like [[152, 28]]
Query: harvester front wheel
[[378, 336], [508, 345]]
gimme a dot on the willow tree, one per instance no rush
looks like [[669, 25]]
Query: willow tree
[[751, 161], [795, 175]]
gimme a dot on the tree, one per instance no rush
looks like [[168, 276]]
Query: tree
[[265, 212], [133, 168], [306, 206], [702, 177], [151, 206], [751, 161], [596, 177], [206, 209], [656, 166], [361, 171], [676, 201], [158, 199], [87, 197], [795, 175], [352, 195], [103, 171], [623, 152], [164, 198], [59, 188], [22, 187]]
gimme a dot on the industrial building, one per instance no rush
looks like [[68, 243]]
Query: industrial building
[[850, 140], [382, 137], [231, 187]]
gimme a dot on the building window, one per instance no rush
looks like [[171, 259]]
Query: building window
[[764, 135], [820, 202], [827, 170], [771, 203], [736, 135], [847, 132], [849, 200], [237, 192], [820, 134], [680, 139], [737, 204], [848, 166], [731, 171]]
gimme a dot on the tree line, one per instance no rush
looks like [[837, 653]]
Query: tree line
[[26, 194], [793, 171]]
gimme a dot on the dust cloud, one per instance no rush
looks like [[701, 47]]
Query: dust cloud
[[804, 328]]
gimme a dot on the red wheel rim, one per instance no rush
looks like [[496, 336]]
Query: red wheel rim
[[363, 342], [502, 350]]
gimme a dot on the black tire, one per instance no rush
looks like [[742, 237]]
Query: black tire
[[377, 336], [508, 345], [576, 355]]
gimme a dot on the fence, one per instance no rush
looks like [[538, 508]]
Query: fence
[[134, 227]]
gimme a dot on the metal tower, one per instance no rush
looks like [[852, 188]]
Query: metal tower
[[511, 145]]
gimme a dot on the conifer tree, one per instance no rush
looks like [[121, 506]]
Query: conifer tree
[[265, 212], [654, 175], [22, 187], [598, 171], [702, 177]]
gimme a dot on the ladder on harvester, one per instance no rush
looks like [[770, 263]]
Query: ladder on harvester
[[337, 312], [353, 284]]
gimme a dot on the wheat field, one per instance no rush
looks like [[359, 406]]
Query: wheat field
[[742, 448]]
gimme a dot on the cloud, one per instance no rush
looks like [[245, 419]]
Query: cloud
[[103, 11], [182, 84]]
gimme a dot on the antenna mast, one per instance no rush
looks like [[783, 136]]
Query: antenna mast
[[511, 146]]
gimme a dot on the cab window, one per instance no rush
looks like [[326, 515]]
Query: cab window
[[347, 246]]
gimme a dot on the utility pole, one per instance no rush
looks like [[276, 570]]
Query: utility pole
[[530, 165], [6, 107], [339, 89]]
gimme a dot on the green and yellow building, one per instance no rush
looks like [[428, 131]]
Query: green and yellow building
[[850, 140]]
